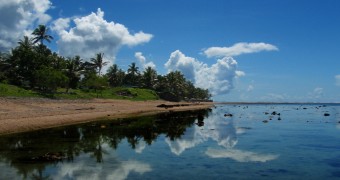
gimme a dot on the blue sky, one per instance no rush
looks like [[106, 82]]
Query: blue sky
[[265, 50]]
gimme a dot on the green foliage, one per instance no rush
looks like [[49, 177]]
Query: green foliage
[[7, 90], [32, 65], [132, 77], [115, 76], [40, 34], [49, 80]]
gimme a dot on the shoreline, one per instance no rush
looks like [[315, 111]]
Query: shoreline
[[28, 114]]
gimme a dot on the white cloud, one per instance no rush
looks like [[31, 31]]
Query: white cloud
[[238, 49], [187, 65], [318, 90], [337, 80], [218, 78], [142, 61], [273, 97], [240, 73], [93, 34], [250, 88], [240, 155], [316, 93], [19, 18]]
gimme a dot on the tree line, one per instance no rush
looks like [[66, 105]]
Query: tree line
[[32, 65]]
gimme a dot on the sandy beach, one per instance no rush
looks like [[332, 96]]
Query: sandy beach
[[28, 114]]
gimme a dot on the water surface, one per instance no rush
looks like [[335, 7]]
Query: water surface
[[259, 141]]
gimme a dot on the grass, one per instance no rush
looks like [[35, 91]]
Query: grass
[[14, 91], [134, 94]]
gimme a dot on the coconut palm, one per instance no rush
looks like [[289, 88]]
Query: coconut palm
[[133, 69], [74, 67], [115, 75], [99, 62], [149, 77], [133, 75], [26, 43], [40, 34]]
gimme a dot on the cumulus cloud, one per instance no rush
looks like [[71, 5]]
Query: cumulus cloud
[[240, 155], [143, 62], [19, 17], [238, 49], [93, 34], [218, 78], [250, 88], [316, 93], [187, 65], [337, 80]]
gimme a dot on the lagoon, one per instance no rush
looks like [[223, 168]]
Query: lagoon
[[296, 142]]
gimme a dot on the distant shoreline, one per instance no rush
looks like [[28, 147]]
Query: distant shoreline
[[29, 114], [277, 103]]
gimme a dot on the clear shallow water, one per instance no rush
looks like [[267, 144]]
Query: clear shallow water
[[205, 144]]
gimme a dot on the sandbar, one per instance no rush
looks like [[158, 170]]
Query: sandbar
[[29, 114]]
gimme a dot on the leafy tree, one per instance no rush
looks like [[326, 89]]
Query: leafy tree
[[176, 83], [49, 79], [95, 82], [23, 62], [74, 67], [115, 75], [98, 62], [4, 66], [40, 35], [132, 77], [57, 62], [149, 78], [26, 43]]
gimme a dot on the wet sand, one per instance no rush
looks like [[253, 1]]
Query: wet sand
[[28, 114]]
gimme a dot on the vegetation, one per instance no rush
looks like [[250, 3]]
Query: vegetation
[[37, 71]]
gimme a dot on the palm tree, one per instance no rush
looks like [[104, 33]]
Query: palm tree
[[176, 83], [133, 69], [25, 43], [40, 34], [133, 74], [4, 65], [74, 66], [98, 62], [149, 77], [115, 75]]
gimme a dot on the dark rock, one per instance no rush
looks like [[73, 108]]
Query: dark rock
[[228, 115], [326, 114], [274, 113], [265, 121]]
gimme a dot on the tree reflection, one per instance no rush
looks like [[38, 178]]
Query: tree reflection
[[26, 151]]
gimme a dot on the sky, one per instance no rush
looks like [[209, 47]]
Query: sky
[[241, 50]]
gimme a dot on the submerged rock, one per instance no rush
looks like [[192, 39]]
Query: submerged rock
[[228, 115]]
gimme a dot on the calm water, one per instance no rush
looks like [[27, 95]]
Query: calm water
[[253, 143]]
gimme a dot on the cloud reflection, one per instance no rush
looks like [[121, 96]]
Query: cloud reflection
[[85, 168], [240, 155], [140, 147], [221, 131]]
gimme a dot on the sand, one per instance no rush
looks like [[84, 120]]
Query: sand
[[28, 114]]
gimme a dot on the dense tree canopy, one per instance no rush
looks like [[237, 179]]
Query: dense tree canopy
[[34, 66]]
